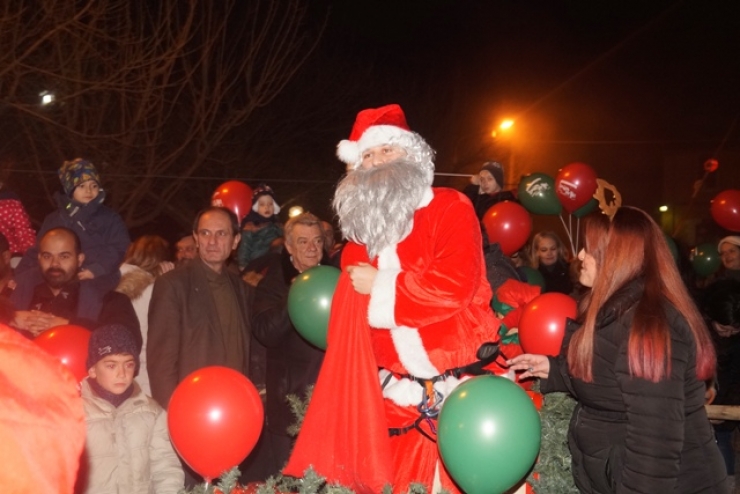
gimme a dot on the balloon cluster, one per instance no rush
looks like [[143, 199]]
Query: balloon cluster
[[573, 189]]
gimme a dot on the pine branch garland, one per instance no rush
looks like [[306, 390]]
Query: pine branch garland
[[552, 473]]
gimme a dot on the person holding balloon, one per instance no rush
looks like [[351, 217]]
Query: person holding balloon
[[292, 362], [636, 361], [412, 300]]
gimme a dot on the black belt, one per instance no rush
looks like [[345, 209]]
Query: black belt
[[486, 354]]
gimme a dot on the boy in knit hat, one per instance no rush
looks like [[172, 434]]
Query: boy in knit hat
[[128, 447], [261, 228], [486, 188], [103, 236]]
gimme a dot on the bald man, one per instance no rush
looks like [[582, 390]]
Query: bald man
[[56, 301]]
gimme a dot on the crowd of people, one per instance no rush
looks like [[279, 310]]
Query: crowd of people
[[412, 317]]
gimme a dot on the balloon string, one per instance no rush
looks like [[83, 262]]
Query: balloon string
[[578, 237], [570, 235], [567, 231]]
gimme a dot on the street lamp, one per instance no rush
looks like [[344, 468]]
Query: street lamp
[[47, 97], [295, 211], [504, 126]]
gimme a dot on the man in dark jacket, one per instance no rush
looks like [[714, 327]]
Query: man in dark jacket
[[56, 301], [199, 312], [292, 363]]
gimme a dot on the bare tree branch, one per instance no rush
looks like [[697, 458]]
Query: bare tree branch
[[154, 89]]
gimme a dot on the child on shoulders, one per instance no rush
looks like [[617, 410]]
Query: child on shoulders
[[103, 236], [261, 228]]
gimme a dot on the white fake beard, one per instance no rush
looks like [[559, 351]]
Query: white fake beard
[[376, 206]]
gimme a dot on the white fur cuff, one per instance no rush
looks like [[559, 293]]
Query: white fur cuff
[[381, 310]]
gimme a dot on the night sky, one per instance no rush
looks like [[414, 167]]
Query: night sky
[[621, 85]]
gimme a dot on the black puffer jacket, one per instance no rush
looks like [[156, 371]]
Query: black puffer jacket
[[629, 435]]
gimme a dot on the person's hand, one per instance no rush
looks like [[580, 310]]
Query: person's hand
[[532, 365], [475, 179], [36, 321], [166, 266], [45, 321], [85, 274], [251, 227], [23, 319], [252, 278], [362, 276]]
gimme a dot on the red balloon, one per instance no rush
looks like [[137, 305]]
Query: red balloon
[[508, 224], [542, 325], [235, 196], [68, 344], [725, 209], [215, 417], [575, 185]]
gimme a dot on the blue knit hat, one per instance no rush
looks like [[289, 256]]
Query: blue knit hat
[[111, 339], [73, 173]]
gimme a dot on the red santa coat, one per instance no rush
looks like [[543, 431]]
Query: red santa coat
[[428, 312]]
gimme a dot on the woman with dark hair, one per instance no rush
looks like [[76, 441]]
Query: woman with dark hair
[[636, 361]]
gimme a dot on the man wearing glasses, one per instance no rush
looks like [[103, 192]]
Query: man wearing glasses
[[199, 314]]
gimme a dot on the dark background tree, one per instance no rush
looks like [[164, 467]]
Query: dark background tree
[[154, 93]]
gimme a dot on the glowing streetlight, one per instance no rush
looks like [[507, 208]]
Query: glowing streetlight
[[295, 211], [504, 126], [663, 209], [47, 97]]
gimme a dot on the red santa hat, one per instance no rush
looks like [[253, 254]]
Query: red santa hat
[[373, 127]]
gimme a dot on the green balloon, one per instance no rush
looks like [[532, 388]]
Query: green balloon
[[590, 206], [309, 303], [705, 259], [534, 277], [536, 192], [488, 435]]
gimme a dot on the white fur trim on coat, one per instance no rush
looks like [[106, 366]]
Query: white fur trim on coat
[[412, 354], [406, 392], [380, 312]]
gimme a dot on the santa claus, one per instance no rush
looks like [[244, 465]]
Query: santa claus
[[410, 316]]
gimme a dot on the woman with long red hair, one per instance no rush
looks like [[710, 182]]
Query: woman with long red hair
[[636, 360]]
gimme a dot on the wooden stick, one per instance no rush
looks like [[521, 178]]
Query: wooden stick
[[723, 412]]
